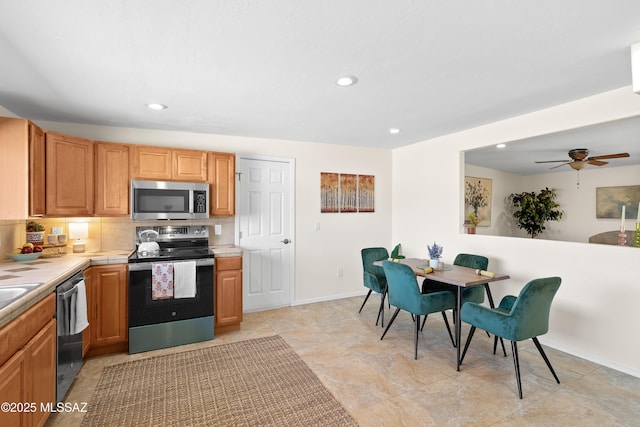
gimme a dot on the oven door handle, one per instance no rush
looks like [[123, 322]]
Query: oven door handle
[[144, 266]]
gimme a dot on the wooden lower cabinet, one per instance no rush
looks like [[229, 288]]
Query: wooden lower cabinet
[[109, 311], [40, 367], [228, 294], [28, 373], [12, 389]]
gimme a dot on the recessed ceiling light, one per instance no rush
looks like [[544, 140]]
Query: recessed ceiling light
[[157, 106], [347, 81], [501, 145], [394, 131]]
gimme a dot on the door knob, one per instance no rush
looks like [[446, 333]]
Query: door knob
[[285, 241]]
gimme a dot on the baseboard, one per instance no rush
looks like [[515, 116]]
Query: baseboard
[[329, 298]]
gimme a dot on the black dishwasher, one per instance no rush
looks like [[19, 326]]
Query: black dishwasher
[[69, 349]]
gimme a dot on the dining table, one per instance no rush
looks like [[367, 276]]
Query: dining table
[[459, 276]]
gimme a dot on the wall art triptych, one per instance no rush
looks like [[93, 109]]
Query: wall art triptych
[[345, 192]]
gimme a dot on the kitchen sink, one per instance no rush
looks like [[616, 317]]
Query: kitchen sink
[[9, 294]]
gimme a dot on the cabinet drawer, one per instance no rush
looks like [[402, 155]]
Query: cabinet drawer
[[229, 263]]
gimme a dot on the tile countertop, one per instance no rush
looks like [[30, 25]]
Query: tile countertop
[[226, 251], [50, 272], [53, 271]]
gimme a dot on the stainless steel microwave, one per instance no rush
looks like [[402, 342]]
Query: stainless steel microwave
[[169, 200]]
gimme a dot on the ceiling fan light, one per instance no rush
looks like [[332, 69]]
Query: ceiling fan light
[[578, 164]]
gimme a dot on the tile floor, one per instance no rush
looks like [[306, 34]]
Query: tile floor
[[380, 383]]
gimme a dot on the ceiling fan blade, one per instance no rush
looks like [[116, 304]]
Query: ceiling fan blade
[[609, 156], [565, 163], [553, 161], [595, 162]]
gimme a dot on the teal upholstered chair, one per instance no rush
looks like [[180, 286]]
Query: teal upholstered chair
[[404, 294], [373, 277], [472, 294], [516, 319]]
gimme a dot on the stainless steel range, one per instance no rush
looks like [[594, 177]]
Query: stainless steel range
[[171, 288]]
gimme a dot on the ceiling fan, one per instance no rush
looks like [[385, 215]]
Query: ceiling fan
[[579, 159]]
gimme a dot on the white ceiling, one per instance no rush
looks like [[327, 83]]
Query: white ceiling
[[266, 68], [519, 157]]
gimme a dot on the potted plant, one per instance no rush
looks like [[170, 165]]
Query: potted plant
[[533, 210], [472, 223], [435, 252], [35, 232]]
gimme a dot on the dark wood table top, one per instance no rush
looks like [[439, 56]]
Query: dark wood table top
[[452, 274]]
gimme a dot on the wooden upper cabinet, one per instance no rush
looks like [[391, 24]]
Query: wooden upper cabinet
[[69, 175], [37, 177], [222, 171], [168, 164], [112, 179], [189, 165], [152, 163], [14, 168]]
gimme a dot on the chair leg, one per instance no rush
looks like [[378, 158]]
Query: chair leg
[[544, 356], [495, 344], [390, 322], [381, 310], [365, 300], [516, 364], [423, 322], [415, 337], [466, 345]]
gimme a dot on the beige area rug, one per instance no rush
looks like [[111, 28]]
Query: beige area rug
[[259, 382]]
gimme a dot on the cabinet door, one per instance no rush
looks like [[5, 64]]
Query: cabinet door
[[222, 171], [150, 162], [69, 172], [14, 165], [109, 285], [112, 179], [189, 165], [12, 388], [228, 291], [40, 369], [36, 171], [229, 297]]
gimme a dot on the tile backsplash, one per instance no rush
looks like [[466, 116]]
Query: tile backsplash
[[106, 234]]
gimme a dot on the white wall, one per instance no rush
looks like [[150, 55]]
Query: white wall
[[318, 254], [595, 313]]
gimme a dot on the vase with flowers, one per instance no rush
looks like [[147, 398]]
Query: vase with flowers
[[435, 252]]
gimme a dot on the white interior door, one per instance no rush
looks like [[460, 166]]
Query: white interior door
[[265, 214]]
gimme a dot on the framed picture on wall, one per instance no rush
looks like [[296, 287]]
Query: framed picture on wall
[[609, 201], [328, 192], [477, 199], [366, 193], [348, 192]]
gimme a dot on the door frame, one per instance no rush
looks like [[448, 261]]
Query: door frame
[[292, 210]]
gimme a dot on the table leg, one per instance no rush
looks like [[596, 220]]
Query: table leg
[[458, 325]]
